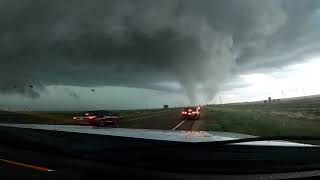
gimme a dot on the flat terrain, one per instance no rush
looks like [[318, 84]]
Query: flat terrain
[[65, 117], [299, 116], [166, 119], [283, 118], [289, 118]]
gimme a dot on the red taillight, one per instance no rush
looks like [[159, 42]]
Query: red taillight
[[74, 118], [184, 112], [189, 110], [91, 117]]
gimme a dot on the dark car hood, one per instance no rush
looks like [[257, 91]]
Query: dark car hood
[[164, 135]]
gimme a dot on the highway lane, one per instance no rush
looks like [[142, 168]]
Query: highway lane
[[164, 121], [189, 125], [170, 120], [193, 125]]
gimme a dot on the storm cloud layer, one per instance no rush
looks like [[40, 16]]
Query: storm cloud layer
[[150, 44]]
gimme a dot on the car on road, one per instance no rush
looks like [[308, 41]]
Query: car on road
[[97, 118], [190, 113]]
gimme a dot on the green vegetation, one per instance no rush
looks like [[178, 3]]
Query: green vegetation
[[289, 119]]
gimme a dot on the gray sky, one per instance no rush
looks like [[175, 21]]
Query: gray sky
[[146, 52]]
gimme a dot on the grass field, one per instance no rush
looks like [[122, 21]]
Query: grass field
[[294, 118]]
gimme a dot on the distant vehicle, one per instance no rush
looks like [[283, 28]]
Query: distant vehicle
[[191, 113], [97, 118]]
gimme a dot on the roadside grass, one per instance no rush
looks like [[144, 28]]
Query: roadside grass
[[258, 120]]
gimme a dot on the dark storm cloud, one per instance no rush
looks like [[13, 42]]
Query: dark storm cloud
[[143, 43], [72, 93]]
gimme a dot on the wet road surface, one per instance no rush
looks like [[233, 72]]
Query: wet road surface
[[170, 120]]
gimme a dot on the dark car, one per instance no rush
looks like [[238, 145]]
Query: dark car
[[97, 118], [190, 113]]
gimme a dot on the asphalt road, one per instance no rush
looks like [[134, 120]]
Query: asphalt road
[[170, 120]]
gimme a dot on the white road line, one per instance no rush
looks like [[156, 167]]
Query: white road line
[[178, 125]]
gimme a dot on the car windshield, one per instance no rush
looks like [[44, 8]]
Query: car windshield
[[252, 66]]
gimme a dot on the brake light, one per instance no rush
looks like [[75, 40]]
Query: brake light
[[86, 114], [74, 118], [189, 110], [184, 112], [91, 117]]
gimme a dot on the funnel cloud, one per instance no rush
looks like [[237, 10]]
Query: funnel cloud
[[146, 43]]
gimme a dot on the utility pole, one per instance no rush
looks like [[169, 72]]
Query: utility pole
[[283, 94], [220, 100]]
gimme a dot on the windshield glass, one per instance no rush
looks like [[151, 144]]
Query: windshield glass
[[252, 66]]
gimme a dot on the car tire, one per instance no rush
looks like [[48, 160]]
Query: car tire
[[101, 123]]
